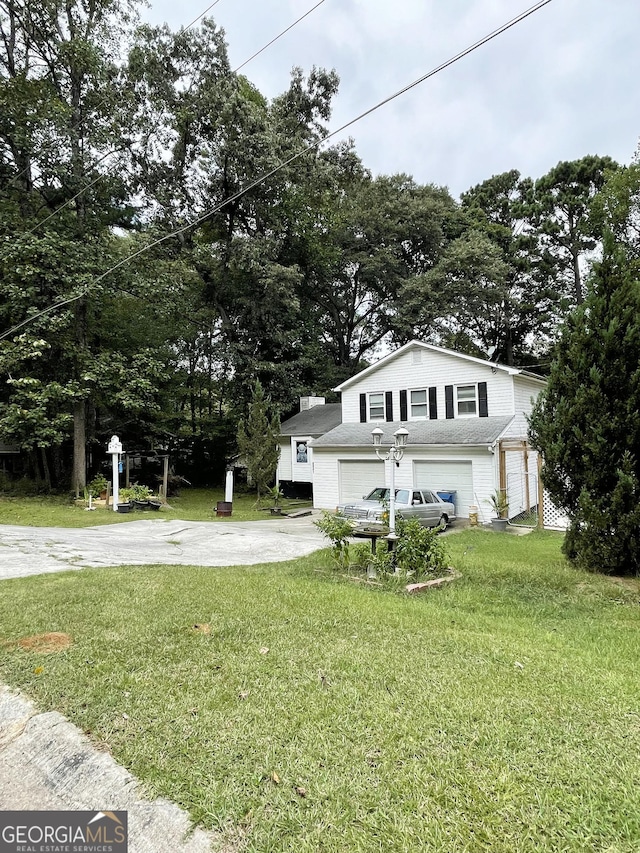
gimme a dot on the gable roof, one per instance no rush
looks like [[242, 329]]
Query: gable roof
[[387, 359], [314, 421], [468, 432]]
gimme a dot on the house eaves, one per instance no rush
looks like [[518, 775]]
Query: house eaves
[[467, 432], [387, 359]]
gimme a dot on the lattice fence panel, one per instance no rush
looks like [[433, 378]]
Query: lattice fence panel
[[552, 517]]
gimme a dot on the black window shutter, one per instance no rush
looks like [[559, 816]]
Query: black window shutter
[[448, 400], [483, 408], [433, 404], [388, 405], [403, 405], [363, 408]]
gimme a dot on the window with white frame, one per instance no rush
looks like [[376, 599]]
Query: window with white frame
[[376, 407], [419, 405], [467, 400]]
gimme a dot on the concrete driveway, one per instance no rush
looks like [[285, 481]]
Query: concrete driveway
[[39, 550]]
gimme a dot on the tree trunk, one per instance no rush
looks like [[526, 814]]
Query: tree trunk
[[45, 468], [79, 448], [577, 278]]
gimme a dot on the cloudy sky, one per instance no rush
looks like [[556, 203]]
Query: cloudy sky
[[561, 84]]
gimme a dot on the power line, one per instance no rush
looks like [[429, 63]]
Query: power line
[[273, 40], [480, 43], [246, 62], [195, 20]]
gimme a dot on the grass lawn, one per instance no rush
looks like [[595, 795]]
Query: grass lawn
[[190, 505], [305, 713]]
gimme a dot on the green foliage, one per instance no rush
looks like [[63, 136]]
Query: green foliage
[[564, 199], [258, 441], [338, 530], [97, 485], [276, 494], [419, 551], [134, 493], [587, 421], [499, 503]]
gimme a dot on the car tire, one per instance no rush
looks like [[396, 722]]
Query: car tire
[[442, 524]]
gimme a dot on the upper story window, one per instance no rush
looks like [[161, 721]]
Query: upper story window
[[419, 405], [467, 400], [376, 407]]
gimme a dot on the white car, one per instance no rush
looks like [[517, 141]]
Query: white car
[[373, 510]]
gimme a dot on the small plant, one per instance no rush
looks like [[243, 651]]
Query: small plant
[[276, 494], [97, 485], [499, 503], [338, 530], [134, 493]]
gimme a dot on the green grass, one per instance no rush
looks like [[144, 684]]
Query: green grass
[[500, 713], [190, 505]]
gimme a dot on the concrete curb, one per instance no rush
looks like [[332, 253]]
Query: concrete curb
[[46, 763]]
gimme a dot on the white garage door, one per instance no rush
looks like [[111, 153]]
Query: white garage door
[[358, 478], [448, 477]]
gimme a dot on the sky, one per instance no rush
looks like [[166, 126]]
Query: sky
[[559, 85]]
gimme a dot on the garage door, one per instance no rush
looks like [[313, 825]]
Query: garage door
[[448, 477], [358, 478]]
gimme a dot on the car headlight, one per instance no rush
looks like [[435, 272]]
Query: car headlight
[[374, 515]]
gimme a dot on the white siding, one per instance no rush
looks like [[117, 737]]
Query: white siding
[[284, 463], [484, 478], [289, 469], [524, 390], [327, 474], [301, 472], [435, 370]]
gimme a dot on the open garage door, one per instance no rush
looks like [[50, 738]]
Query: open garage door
[[441, 476], [357, 478]]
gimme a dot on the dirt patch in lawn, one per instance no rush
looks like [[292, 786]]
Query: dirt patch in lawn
[[45, 644]]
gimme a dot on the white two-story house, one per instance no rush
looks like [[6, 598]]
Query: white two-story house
[[466, 419]]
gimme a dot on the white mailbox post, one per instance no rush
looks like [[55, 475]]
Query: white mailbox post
[[115, 449], [228, 486]]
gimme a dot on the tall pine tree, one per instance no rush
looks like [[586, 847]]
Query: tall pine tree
[[587, 423], [258, 441]]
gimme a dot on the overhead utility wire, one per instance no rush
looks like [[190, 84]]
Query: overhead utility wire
[[284, 163], [273, 40], [195, 20], [235, 71]]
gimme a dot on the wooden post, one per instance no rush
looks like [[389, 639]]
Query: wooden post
[[165, 478], [502, 468], [525, 450], [540, 495]]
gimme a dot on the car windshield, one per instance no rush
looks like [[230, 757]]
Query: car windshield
[[380, 494]]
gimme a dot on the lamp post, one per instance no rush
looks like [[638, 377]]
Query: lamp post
[[115, 449], [393, 454]]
